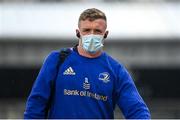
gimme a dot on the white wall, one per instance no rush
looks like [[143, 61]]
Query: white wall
[[59, 20]]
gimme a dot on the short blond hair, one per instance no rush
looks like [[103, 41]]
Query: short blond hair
[[92, 14]]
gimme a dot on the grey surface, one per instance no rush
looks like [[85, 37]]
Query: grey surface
[[160, 108], [155, 53]]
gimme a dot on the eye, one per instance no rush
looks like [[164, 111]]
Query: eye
[[97, 31], [86, 30]]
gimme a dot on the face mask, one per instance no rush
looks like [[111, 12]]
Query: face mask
[[92, 43]]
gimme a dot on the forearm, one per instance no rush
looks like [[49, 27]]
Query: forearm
[[38, 99], [36, 107], [129, 100]]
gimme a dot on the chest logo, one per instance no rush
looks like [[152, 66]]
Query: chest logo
[[105, 77], [86, 84], [69, 71]]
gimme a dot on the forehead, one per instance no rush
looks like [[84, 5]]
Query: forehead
[[98, 23]]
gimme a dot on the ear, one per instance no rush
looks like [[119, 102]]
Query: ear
[[78, 33], [106, 34]]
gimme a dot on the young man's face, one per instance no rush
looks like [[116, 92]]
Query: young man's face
[[96, 27]]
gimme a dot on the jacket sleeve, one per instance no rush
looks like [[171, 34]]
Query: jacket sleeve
[[40, 93], [128, 98]]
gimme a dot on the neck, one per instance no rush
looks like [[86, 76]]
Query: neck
[[84, 53]]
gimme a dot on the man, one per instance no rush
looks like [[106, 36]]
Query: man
[[89, 83]]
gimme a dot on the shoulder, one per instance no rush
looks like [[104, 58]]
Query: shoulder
[[55, 55], [51, 59], [113, 61], [114, 64], [119, 69], [52, 55]]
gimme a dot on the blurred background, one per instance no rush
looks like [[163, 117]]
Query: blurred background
[[144, 36]]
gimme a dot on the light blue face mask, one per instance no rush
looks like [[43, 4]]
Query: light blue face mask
[[92, 43]]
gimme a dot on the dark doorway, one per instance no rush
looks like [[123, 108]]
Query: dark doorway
[[158, 82], [16, 82]]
